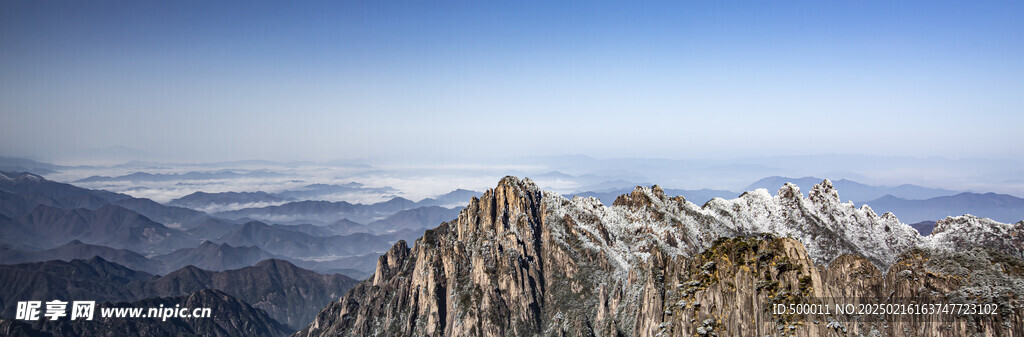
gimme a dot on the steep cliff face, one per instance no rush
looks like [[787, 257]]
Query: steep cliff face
[[520, 262], [482, 274]]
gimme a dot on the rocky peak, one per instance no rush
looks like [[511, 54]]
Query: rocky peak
[[641, 197], [789, 191], [965, 231], [869, 211], [824, 192], [512, 206], [390, 262]]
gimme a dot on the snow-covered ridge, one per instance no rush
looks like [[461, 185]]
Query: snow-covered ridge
[[970, 231], [24, 176], [827, 227]]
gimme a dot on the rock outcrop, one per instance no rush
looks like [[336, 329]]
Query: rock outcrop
[[522, 262]]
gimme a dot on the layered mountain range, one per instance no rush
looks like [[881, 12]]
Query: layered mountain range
[[326, 212], [522, 261], [515, 261], [43, 220]]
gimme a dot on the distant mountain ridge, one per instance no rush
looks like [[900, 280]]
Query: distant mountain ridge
[[20, 193], [415, 218], [208, 256], [119, 226], [172, 216], [109, 225], [1000, 207], [94, 278], [320, 211], [292, 243], [194, 175], [290, 294], [29, 190], [13, 164], [457, 198], [224, 201], [326, 191], [214, 256], [924, 227], [79, 250], [327, 212], [915, 204], [855, 191]]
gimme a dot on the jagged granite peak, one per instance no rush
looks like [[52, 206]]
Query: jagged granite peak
[[412, 291], [390, 262], [639, 197], [511, 207], [968, 231], [824, 193], [828, 227], [521, 261]]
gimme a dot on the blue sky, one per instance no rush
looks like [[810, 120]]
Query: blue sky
[[309, 80]]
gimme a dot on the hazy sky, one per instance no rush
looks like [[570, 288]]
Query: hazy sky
[[309, 80]]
